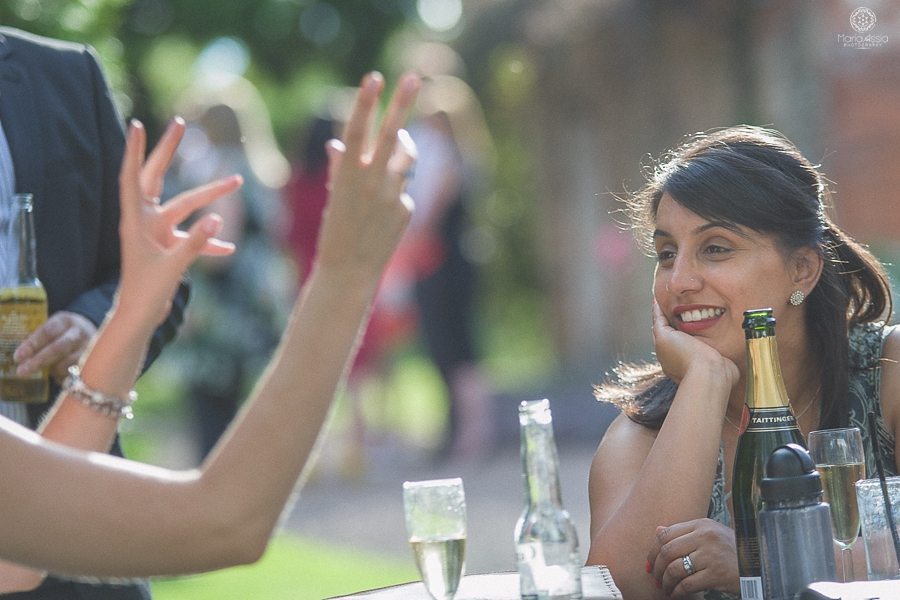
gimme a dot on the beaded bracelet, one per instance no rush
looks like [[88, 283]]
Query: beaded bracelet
[[111, 406]]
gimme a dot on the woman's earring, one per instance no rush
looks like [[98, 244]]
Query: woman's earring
[[797, 298]]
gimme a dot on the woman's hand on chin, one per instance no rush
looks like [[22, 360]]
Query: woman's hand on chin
[[679, 352]]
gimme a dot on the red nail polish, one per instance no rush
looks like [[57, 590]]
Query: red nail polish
[[658, 584], [648, 567]]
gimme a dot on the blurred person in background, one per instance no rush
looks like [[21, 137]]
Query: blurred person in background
[[306, 192], [239, 302], [456, 159], [392, 320]]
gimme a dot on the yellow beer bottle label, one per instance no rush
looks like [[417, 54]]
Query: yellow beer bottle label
[[22, 310]]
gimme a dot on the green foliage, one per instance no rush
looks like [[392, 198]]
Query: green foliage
[[93, 22], [299, 52], [82, 20], [283, 36], [148, 46]]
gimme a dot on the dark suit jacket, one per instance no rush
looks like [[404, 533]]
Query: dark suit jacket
[[67, 141]]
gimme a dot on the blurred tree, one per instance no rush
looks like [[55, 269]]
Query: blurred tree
[[281, 34], [296, 52], [94, 22], [85, 20], [284, 39]]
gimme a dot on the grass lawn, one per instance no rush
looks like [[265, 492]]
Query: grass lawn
[[292, 569]]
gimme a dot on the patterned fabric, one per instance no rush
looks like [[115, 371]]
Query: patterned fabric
[[866, 342]]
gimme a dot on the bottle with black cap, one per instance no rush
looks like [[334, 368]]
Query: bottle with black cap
[[795, 525]]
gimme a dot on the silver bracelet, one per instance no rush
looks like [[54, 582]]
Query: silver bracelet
[[111, 406]]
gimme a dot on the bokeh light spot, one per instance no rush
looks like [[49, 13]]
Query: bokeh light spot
[[440, 15]]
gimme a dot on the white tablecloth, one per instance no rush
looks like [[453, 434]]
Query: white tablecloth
[[596, 583]]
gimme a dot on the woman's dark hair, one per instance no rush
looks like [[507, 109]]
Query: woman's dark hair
[[756, 178]]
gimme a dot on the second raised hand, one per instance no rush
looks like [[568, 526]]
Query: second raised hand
[[368, 209]]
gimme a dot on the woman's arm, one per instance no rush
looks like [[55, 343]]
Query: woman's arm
[[642, 479], [69, 421], [118, 518]]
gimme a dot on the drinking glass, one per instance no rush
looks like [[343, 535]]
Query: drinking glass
[[435, 512], [840, 460], [877, 528]]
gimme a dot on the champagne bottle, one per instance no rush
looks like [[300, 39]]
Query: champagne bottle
[[546, 540], [772, 424], [23, 300]]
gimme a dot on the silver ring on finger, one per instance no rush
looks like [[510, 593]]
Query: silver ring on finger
[[688, 564]]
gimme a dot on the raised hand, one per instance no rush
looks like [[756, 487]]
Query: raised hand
[[155, 253], [64, 337], [227, 508], [368, 209]]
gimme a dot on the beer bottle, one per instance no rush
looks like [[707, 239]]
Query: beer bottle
[[23, 300], [772, 424], [546, 540]]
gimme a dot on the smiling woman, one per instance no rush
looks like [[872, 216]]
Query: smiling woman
[[736, 220]]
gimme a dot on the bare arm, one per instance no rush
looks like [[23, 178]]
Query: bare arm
[[119, 518], [642, 479], [69, 422]]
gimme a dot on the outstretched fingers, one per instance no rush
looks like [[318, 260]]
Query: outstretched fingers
[[403, 159], [186, 203], [335, 149], [154, 170], [396, 115], [129, 175], [182, 206], [199, 239], [356, 132]]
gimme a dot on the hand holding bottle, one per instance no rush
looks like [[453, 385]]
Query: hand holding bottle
[[57, 344]]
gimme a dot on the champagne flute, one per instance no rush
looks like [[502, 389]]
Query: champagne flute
[[840, 460], [435, 512]]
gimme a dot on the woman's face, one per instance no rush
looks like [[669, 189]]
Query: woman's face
[[709, 273]]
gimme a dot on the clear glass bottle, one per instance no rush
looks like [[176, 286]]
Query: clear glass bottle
[[23, 300], [546, 541], [772, 424]]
